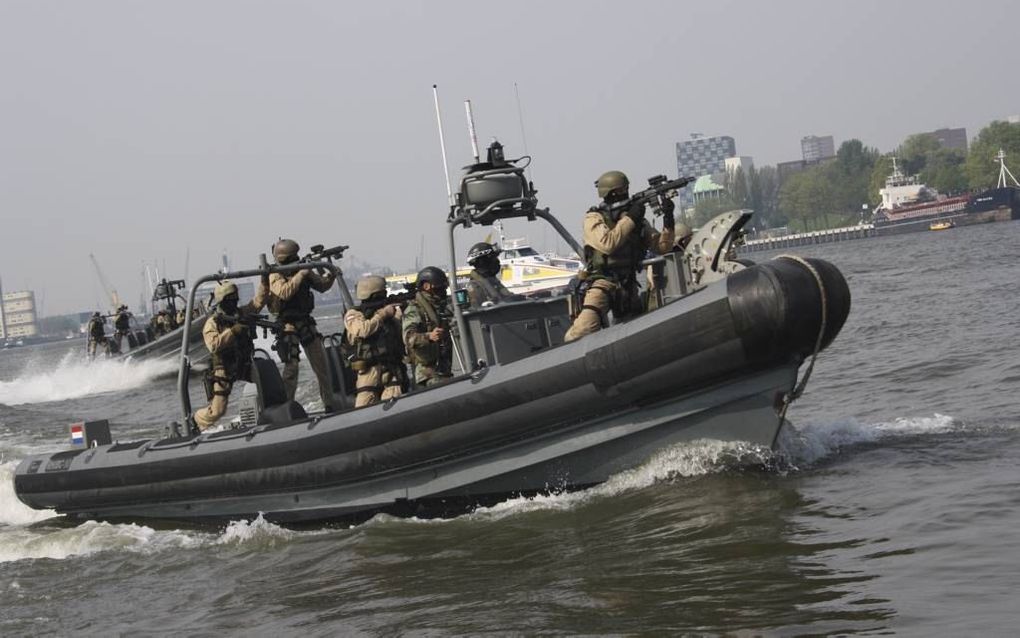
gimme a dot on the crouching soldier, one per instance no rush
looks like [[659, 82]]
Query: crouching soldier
[[230, 342], [616, 238], [373, 331]]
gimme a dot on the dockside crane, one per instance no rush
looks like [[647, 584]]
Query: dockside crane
[[107, 288]]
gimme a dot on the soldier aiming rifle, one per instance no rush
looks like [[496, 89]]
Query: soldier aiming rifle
[[616, 238]]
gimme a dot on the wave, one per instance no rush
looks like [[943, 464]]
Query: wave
[[13, 511], [75, 377], [812, 443], [798, 448], [92, 537]]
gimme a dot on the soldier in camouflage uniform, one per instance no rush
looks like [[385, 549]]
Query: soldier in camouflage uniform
[[616, 238], [373, 330], [426, 328], [292, 302]]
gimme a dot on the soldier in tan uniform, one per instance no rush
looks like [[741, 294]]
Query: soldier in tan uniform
[[292, 302], [616, 238], [230, 342], [373, 330], [96, 334]]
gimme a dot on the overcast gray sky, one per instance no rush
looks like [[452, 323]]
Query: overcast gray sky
[[135, 130]]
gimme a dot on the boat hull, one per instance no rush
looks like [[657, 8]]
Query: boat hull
[[589, 454], [995, 205]]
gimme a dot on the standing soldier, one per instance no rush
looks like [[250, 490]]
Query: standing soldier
[[373, 329], [616, 237], [483, 281], [426, 328], [230, 342], [122, 324], [292, 302], [97, 333]]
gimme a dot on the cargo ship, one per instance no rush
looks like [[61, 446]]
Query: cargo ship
[[909, 206]]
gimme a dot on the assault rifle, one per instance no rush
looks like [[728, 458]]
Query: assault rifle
[[252, 321], [399, 298], [659, 188], [318, 253]]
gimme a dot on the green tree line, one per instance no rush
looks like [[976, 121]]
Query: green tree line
[[837, 192]]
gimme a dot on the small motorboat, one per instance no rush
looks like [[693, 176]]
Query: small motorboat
[[944, 224]]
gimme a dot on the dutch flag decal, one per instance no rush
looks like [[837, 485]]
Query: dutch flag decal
[[78, 433]]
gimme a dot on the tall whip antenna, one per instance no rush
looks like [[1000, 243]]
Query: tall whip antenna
[[524, 138], [471, 130], [442, 144]]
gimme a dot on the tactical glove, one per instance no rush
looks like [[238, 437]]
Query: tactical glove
[[668, 207], [637, 212]]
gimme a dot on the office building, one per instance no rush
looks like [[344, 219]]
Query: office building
[[18, 320], [814, 148], [702, 156], [955, 138]]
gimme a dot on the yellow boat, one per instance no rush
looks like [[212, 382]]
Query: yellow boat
[[942, 225], [524, 269]]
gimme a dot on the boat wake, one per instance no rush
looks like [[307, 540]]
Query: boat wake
[[799, 448], [812, 443], [75, 377]]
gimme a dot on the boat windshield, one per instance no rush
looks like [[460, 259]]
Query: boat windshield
[[524, 251]]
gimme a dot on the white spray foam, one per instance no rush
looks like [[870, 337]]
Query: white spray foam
[[810, 443], [696, 458], [13, 511], [89, 538], [801, 446], [258, 531], [75, 377]]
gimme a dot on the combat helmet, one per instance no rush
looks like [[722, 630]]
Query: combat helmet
[[480, 250], [434, 276], [369, 286], [611, 181], [224, 290], [285, 251]]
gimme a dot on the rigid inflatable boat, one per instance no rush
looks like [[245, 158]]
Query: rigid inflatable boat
[[719, 359]]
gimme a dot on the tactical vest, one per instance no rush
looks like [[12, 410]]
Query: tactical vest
[[300, 305], [96, 329], [384, 346], [123, 322], [621, 264], [491, 288], [438, 355], [235, 359]]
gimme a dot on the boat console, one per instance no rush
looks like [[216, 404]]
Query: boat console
[[510, 331]]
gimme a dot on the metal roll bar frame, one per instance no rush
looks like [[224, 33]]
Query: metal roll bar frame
[[461, 215], [264, 269]]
